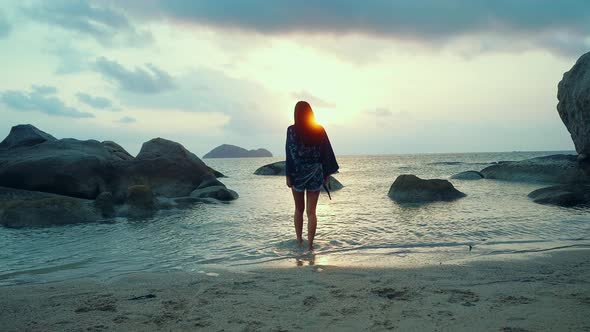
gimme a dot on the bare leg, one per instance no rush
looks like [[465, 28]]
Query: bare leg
[[298, 215], [312, 219]]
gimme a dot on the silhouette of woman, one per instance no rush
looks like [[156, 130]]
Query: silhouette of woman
[[310, 162]]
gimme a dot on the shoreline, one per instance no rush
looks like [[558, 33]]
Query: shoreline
[[536, 291]]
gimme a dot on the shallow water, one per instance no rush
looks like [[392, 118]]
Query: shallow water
[[360, 225]]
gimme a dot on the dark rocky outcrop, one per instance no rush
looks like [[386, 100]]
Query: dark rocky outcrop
[[333, 184], [277, 168], [574, 104], [468, 175], [90, 170], [409, 188], [23, 208], [232, 151], [549, 169], [166, 167], [25, 135], [563, 195]]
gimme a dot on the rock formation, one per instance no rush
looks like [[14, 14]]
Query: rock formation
[[409, 188], [232, 151], [97, 178], [574, 104], [468, 175], [277, 168], [563, 195], [549, 169]]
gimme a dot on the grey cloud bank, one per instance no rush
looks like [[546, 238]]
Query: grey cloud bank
[[560, 26], [100, 22]]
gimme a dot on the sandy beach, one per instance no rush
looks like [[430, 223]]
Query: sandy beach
[[537, 292]]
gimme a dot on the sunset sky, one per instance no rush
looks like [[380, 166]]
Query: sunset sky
[[382, 76]]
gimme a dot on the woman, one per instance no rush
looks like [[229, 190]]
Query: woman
[[310, 161]]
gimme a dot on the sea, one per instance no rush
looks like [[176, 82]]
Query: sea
[[360, 226]]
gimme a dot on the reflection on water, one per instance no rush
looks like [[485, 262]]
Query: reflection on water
[[359, 223]]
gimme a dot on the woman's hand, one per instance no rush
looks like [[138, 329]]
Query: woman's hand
[[326, 180], [289, 184]]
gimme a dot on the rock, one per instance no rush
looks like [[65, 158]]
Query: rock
[[232, 151], [574, 103], [105, 203], [333, 184], [210, 181], [25, 135], [562, 195], [277, 168], [217, 192], [141, 202], [549, 169], [216, 173], [22, 208], [84, 169], [67, 167], [117, 150], [167, 168], [468, 175], [411, 189]]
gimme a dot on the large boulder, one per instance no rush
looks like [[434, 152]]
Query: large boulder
[[468, 175], [549, 169], [166, 167], [563, 195], [22, 208], [117, 150], [277, 168], [25, 135], [333, 184], [574, 103], [409, 188], [67, 167], [220, 193], [232, 151]]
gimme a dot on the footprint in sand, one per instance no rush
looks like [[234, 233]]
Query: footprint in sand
[[465, 297], [392, 294], [310, 301]]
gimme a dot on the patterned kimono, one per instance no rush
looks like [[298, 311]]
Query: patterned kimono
[[308, 165]]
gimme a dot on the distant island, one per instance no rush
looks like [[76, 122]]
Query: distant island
[[232, 151]]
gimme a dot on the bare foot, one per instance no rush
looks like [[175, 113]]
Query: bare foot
[[299, 242]]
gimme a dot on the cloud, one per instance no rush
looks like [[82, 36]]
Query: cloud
[[249, 106], [5, 27], [107, 26], [37, 100], [312, 100], [44, 89], [126, 120], [434, 22], [143, 81], [96, 102]]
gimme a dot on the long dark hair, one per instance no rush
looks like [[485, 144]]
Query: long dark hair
[[308, 131]]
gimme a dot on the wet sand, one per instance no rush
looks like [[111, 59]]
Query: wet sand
[[538, 292]]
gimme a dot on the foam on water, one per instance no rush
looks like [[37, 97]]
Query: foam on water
[[361, 224]]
